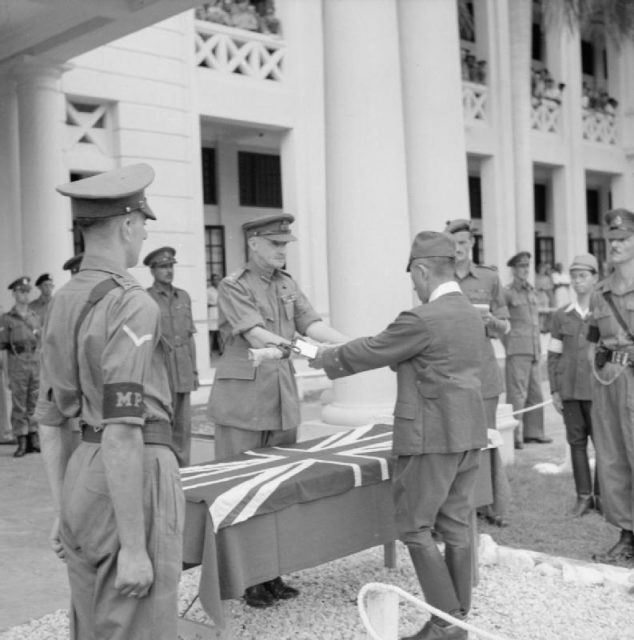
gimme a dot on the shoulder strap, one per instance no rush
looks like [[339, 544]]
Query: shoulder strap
[[98, 292], [617, 315]]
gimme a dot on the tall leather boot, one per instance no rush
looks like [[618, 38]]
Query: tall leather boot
[[458, 560], [21, 450], [33, 442]]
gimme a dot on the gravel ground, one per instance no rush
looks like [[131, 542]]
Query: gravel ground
[[510, 602]]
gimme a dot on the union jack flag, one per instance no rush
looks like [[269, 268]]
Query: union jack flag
[[267, 480]]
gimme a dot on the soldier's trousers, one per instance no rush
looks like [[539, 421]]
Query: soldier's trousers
[[24, 382], [524, 389], [613, 435], [89, 535], [182, 427]]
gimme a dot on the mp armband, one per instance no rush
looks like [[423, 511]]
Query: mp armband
[[123, 400]]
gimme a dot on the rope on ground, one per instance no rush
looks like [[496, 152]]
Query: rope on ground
[[421, 604], [531, 408]]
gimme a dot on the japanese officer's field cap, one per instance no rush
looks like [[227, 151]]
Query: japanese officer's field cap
[[521, 259], [110, 194], [585, 262], [21, 284], [620, 224], [432, 244], [45, 277], [73, 264], [276, 227], [162, 257], [460, 224]]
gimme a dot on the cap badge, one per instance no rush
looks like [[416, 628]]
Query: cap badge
[[617, 222]]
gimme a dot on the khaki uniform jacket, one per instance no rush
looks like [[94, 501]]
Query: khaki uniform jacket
[[263, 398], [524, 336], [602, 318], [177, 329], [482, 286], [437, 350], [20, 335], [569, 371], [40, 307], [121, 362]]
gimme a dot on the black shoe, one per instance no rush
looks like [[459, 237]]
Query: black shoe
[[280, 590], [542, 440], [21, 450], [258, 596], [435, 631], [519, 444], [584, 505], [497, 521], [33, 442], [622, 551]]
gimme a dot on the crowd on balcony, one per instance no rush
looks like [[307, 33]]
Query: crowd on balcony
[[598, 100], [544, 89], [473, 70], [251, 15]]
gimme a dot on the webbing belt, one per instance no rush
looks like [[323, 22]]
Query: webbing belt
[[155, 432]]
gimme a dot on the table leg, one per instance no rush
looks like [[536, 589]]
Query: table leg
[[389, 555]]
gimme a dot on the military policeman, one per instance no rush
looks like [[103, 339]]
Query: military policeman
[[119, 494], [40, 305], [177, 329], [523, 351], [20, 337], [261, 305], [571, 378], [481, 285], [612, 330], [439, 423], [73, 264]]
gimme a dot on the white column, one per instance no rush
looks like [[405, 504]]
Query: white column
[[432, 104], [368, 228], [46, 219], [11, 236]]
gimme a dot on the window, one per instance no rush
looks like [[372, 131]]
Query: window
[[478, 248], [596, 246], [475, 197], [587, 58], [544, 250], [540, 194], [537, 43], [78, 238], [210, 195], [215, 251], [592, 206], [466, 20], [260, 177]]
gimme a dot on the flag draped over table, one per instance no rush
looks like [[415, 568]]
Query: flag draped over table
[[267, 480]]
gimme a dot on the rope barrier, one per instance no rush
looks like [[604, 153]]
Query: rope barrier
[[421, 604], [531, 408]]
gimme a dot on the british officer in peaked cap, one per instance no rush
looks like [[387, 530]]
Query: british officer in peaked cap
[[177, 327], [103, 362], [439, 423], [481, 284], [261, 305], [611, 332], [20, 336], [523, 352]]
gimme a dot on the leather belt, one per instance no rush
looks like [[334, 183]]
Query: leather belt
[[24, 348], [622, 357], [155, 432]]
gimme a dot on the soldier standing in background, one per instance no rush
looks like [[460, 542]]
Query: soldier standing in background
[[523, 351], [20, 337], [481, 285], [40, 305], [177, 329]]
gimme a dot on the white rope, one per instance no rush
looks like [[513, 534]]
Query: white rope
[[421, 604], [531, 408]]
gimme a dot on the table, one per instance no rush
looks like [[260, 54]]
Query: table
[[338, 503]]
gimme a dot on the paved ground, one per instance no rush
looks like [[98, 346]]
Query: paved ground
[[33, 581]]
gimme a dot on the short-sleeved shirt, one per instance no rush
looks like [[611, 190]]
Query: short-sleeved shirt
[[120, 360], [523, 306], [20, 334], [177, 328], [262, 399], [482, 285], [610, 332], [569, 369]]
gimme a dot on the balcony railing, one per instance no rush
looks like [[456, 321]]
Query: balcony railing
[[545, 115], [599, 126], [246, 53], [474, 102]]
